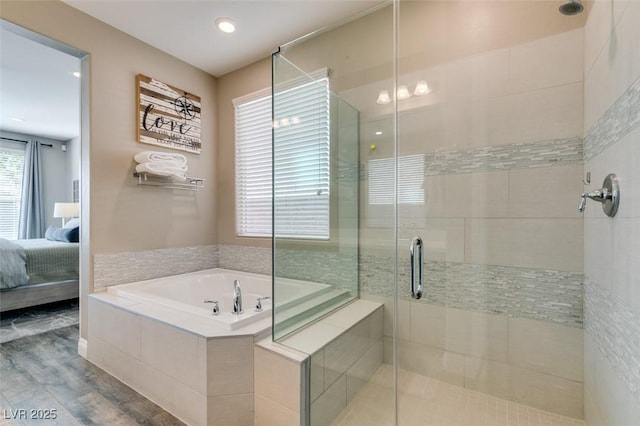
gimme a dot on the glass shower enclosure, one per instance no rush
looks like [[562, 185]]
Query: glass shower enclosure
[[453, 118]]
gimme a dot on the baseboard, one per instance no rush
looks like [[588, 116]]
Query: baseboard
[[82, 347]]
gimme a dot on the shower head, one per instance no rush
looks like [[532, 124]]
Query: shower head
[[571, 7]]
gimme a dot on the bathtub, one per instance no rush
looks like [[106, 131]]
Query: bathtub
[[160, 338], [188, 292]]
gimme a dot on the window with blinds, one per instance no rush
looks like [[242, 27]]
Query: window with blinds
[[301, 157], [11, 169], [410, 180]]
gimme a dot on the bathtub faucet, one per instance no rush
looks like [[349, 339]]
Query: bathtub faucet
[[237, 298]]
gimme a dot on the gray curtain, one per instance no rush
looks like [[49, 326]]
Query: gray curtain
[[32, 223]]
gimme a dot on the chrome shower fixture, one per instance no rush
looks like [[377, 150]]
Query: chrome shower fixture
[[571, 7], [608, 195]]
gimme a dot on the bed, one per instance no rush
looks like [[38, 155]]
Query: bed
[[37, 271]]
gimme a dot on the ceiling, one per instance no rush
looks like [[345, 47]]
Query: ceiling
[[37, 84], [185, 28]]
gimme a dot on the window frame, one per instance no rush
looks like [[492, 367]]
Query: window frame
[[16, 199], [242, 222]]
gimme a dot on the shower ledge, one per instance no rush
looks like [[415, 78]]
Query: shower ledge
[[298, 346]]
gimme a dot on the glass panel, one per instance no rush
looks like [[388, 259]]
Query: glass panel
[[315, 206], [356, 356]]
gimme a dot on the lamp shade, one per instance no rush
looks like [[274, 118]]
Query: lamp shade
[[65, 210]]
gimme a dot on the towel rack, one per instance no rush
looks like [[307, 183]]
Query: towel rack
[[191, 183]]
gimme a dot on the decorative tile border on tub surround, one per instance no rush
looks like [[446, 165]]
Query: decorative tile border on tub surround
[[615, 328], [336, 268], [622, 117], [245, 258], [127, 267], [558, 152], [333, 268], [553, 296]]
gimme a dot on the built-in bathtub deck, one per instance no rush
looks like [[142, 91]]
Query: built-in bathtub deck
[[178, 299], [200, 326], [197, 368], [198, 371]]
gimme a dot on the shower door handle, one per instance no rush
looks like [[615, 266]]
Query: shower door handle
[[416, 252]]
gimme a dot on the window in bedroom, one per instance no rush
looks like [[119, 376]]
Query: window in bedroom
[[11, 167], [302, 181]]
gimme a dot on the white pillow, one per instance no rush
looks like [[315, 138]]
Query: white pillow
[[73, 223]]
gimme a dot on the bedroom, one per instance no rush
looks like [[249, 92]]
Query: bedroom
[[39, 174]]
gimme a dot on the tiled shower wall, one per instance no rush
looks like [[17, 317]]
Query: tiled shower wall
[[612, 245], [502, 310]]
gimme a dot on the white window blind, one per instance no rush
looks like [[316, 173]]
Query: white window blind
[[11, 169], [302, 176], [410, 180]]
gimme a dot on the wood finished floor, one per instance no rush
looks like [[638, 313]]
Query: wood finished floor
[[44, 371], [38, 319]]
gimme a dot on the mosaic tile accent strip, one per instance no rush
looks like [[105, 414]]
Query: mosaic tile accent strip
[[127, 267], [334, 268], [620, 119], [559, 152], [256, 260], [615, 328], [553, 296]]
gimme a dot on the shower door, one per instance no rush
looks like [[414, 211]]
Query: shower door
[[488, 161]]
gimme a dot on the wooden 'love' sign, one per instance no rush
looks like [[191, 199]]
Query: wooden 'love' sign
[[167, 116]]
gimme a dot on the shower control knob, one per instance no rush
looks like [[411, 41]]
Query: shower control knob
[[608, 195]]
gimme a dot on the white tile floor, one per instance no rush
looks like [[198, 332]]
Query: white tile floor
[[424, 401]]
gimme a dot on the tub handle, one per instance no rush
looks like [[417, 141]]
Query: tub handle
[[259, 303], [216, 307]]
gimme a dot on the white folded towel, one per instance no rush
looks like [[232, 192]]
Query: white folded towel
[[167, 164], [155, 168], [147, 156]]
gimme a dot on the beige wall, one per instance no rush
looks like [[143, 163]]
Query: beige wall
[[249, 79], [360, 52]]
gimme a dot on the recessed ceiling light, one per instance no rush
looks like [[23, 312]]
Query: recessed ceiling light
[[18, 119], [76, 74], [226, 25], [378, 133]]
